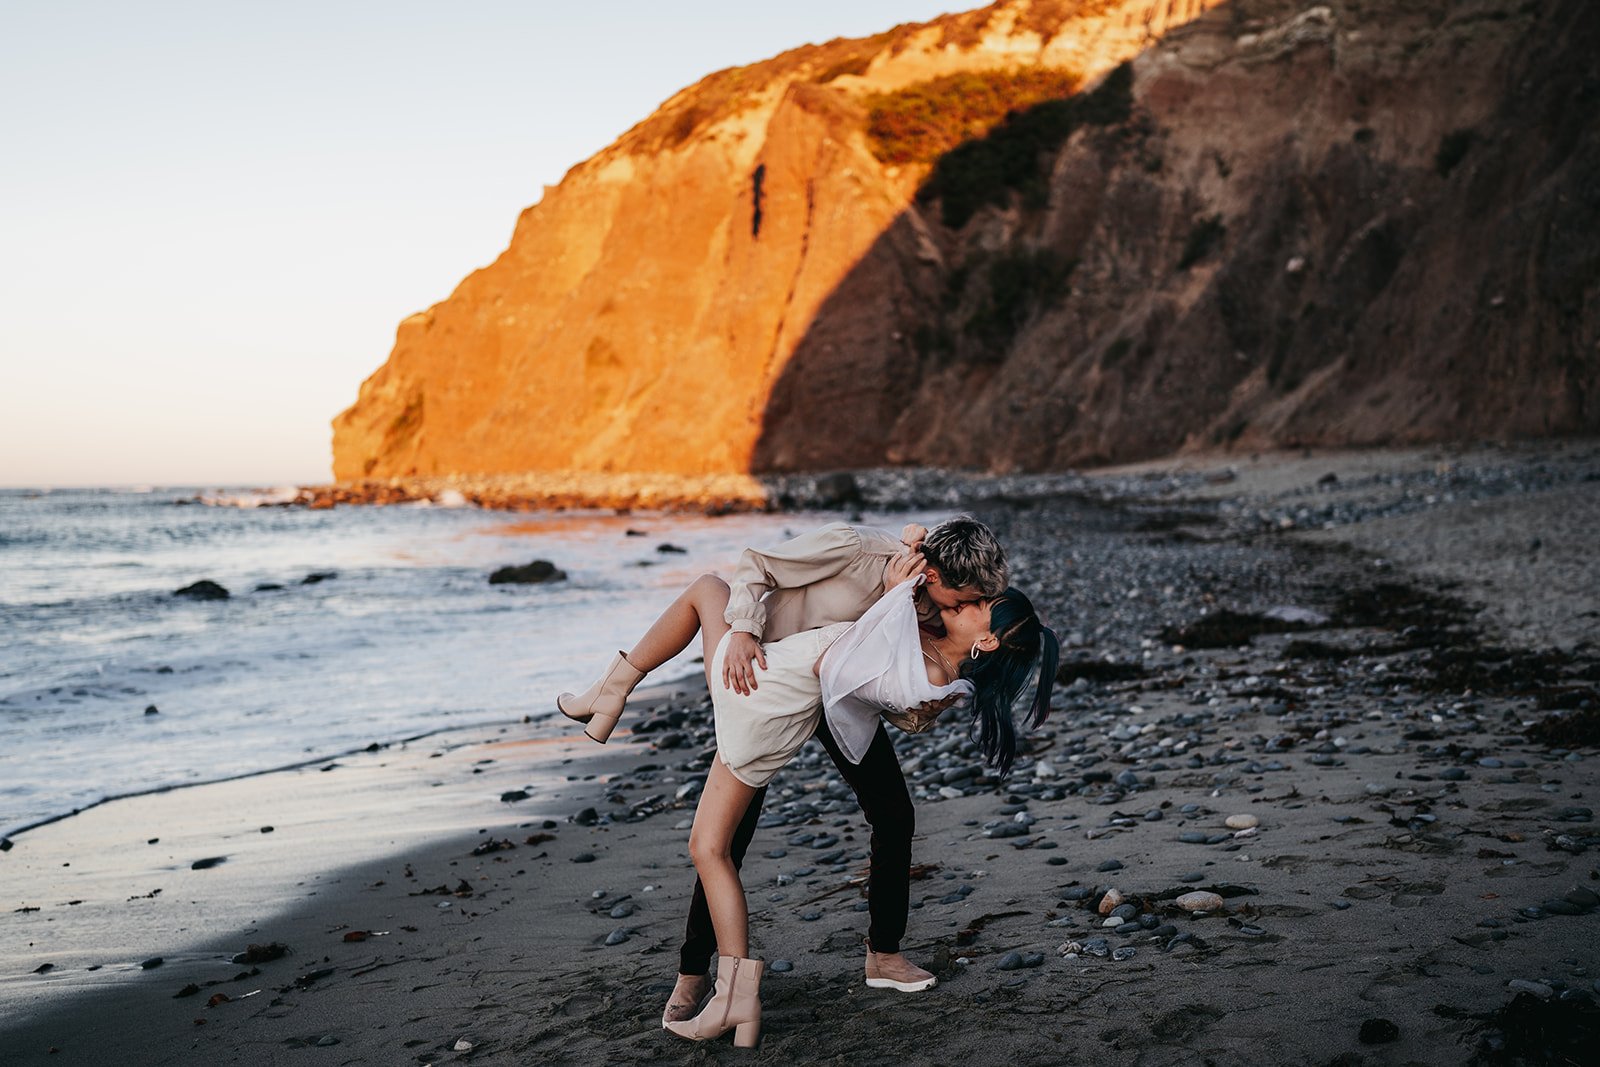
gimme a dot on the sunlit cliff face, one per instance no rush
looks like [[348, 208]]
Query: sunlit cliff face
[[646, 307], [984, 242]]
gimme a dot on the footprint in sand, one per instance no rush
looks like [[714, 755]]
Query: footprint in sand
[[1181, 1023], [1416, 894]]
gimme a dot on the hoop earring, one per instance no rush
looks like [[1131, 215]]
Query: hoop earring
[[975, 650]]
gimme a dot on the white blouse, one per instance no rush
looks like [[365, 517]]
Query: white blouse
[[876, 666]]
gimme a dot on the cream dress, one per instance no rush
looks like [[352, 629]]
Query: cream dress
[[870, 666], [759, 732]]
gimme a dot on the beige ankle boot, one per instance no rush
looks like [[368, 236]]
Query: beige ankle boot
[[736, 1005], [687, 995], [891, 970], [601, 704]]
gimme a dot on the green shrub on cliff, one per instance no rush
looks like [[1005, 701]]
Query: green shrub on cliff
[[1006, 159], [922, 122]]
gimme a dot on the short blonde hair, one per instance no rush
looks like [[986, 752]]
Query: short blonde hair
[[967, 554]]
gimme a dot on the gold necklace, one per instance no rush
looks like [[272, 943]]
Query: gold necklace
[[949, 671]]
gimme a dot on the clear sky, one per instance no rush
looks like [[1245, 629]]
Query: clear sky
[[214, 214]]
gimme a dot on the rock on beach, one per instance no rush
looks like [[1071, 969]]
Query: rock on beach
[[537, 572], [1199, 901], [204, 589]]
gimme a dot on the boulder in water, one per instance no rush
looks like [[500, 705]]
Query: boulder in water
[[540, 570], [204, 589]]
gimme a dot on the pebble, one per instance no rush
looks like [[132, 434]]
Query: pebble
[[1379, 1032], [1124, 953], [621, 911], [1016, 961], [1108, 903], [583, 857], [1560, 907], [1199, 901], [1538, 989], [1110, 865], [617, 936], [1241, 822], [781, 966]]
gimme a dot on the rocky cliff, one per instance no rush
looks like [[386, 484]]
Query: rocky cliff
[[1044, 234]]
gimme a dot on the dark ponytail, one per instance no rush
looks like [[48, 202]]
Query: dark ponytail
[[999, 677]]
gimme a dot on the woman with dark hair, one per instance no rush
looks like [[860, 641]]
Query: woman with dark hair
[[1000, 677]]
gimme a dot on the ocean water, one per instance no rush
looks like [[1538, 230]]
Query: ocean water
[[407, 638]]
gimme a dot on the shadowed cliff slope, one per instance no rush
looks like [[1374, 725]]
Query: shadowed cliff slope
[[1254, 222]]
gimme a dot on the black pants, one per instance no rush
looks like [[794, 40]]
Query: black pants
[[880, 787]]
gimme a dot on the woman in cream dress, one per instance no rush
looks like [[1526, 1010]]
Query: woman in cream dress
[[879, 664]]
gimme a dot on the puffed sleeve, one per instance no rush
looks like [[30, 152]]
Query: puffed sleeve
[[883, 639], [868, 649], [877, 666], [811, 557]]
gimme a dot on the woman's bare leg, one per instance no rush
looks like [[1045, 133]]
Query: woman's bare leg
[[697, 608], [722, 805]]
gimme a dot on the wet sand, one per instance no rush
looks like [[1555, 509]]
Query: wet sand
[[1373, 681]]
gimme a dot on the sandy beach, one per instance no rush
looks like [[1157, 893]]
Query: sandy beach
[[1353, 694]]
